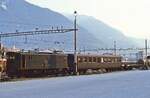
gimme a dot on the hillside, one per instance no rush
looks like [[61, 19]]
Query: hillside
[[22, 16], [105, 33]]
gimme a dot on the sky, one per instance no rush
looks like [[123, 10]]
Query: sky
[[132, 17]]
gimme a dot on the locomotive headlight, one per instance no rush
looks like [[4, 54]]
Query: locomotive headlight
[[128, 65]]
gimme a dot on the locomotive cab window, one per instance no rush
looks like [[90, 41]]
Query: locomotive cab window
[[11, 57]]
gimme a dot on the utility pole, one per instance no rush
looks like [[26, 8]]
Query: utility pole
[[1, 50], [0, 43], [146, 63], [26, 39], [75, 43], [115, 49], [146, 47]]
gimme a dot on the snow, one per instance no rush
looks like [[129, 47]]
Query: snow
[[3, 4], [4, 7], [131, 84]]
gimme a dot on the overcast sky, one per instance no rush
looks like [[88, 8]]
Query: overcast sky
[[132, 17]]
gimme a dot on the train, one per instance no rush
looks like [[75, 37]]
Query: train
[[31, 64]]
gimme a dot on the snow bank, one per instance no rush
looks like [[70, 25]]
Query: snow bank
[[132, 84]]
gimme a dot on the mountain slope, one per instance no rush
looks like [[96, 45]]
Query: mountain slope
[[104, 32], [23, 16]]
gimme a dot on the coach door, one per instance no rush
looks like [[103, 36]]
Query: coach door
[[23, 62]]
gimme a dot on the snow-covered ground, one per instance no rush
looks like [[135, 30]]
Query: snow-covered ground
[[131, 84]]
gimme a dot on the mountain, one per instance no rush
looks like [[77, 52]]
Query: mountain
[[105, 33], [19, 15], [22, 16]]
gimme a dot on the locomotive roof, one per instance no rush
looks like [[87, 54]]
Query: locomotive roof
[[37, 53], [48, 53]]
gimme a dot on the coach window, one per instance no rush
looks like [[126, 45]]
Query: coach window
[[119, 59], [90, 59], [105, 59], [112, 60], [85, 59], [116, 60], [64, 58], [80, 59], [94, 59], [99, 60], [109, 59]]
